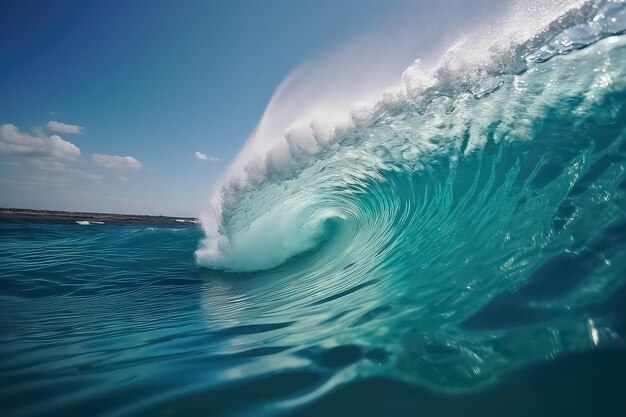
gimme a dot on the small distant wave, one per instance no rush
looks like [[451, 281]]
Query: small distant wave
[[87, 223]]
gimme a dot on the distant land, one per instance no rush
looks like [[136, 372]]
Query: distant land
[[26, 214]]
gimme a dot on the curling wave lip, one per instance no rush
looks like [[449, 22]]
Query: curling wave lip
[[278, 204]]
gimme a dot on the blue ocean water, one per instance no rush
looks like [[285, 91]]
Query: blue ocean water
[[461, 249]]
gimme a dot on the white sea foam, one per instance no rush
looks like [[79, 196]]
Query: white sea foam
[[320, 100]]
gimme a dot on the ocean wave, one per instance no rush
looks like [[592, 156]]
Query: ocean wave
[[498, 84], [471, 220]]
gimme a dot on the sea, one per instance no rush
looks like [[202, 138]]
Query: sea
[[459, 248]]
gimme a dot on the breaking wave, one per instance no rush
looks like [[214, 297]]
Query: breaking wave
[[485, 191], [502, 86]]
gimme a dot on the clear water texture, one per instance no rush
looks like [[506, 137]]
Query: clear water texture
[[461, 248]]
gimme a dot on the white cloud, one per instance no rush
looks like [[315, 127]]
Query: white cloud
[[204, 157], [36, 145], [47, 174], [121, 163], [64, 127]]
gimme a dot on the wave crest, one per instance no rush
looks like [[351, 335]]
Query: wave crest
[[276, 200]]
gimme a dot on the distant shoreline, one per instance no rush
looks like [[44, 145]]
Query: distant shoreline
[[31, 214]]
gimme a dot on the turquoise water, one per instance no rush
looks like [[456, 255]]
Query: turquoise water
[[459, 249]]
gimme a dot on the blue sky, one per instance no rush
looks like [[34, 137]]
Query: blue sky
[[104, 104]]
